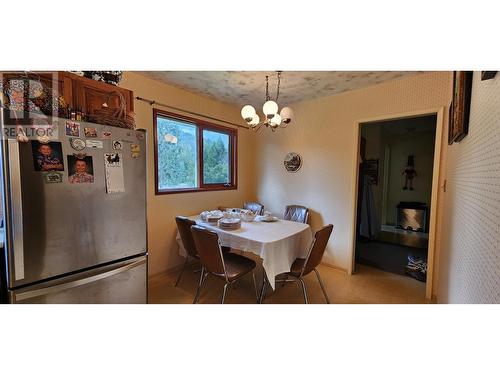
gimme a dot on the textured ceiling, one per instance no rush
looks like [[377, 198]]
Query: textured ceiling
[[249, 87]]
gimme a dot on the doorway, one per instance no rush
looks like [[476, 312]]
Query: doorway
[[396, 193]]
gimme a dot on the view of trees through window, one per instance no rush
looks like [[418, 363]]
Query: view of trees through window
[[215, 157], [177, 162], [177, 154]]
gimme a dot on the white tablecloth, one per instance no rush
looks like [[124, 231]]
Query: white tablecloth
[[278, 243]]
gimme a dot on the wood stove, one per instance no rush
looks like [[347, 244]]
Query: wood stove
[[412, 216]]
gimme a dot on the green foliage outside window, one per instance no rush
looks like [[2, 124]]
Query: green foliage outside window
[[177, 161], [177, 152], [215, 157]]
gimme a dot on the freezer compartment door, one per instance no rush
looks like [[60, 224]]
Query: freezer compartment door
[[123, 282]]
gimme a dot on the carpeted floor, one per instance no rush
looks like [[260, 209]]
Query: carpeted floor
[[367, 285]]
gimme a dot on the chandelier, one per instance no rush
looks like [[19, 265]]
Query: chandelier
[[272, 119]]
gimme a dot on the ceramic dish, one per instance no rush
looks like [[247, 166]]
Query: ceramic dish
[[267, 219]]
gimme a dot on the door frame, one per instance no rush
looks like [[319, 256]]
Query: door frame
[[436, 174]]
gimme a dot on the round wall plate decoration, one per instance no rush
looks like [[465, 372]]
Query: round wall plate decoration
[[292, 162], [77, 144]]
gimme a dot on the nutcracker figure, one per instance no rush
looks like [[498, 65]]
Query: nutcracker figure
[[410, 173]]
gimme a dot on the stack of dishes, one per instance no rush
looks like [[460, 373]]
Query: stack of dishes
[[229, 223], [211, 217]]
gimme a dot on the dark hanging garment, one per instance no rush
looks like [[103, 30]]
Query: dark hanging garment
[[369, 225]]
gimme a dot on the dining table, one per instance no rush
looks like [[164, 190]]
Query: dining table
[[278, 243]]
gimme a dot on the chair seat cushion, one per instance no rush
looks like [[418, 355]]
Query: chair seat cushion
[[297, 266], [237, 265]]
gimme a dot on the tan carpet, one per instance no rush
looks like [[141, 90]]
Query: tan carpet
[[368, 285]]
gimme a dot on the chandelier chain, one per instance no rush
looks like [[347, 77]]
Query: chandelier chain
[[267, 89], [278, 89]]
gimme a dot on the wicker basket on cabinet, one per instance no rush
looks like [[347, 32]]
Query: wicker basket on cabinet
[[113, 116]]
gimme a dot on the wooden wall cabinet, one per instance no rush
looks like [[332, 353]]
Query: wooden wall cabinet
[[91, 95], [78, 92]]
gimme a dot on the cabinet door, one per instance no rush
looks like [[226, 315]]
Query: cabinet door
[[91, 95]]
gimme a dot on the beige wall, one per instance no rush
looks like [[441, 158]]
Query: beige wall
[[162, 209], [470, 258], [324, 134]]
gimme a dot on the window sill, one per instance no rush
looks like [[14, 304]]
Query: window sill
[[196, 190]]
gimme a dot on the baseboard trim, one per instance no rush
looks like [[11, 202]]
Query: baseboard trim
[[333, 266], [178, 268], [166, 272]]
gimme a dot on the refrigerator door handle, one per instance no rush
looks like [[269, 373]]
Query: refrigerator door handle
[[16, 208], [72, 284]]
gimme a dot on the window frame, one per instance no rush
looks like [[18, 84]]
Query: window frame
[[200, 126]]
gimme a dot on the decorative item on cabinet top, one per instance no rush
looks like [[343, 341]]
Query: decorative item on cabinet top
[[113, 116], [292, 162], [110, 77]]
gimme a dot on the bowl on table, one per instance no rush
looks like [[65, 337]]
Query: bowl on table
[[247, 215], [267, 217]]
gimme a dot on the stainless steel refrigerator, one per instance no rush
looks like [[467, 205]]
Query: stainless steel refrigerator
[[70, 240]]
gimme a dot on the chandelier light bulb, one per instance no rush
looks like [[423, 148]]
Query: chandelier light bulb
[[247, 112], [287, 115], [270, 108], [255, 119], [276, 120]]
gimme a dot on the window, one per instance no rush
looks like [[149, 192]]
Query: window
[[192, 155]]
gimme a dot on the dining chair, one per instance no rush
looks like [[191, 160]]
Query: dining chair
[[228, 267], [184, 226], [255, 207], [303, 266], [296, 213]]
